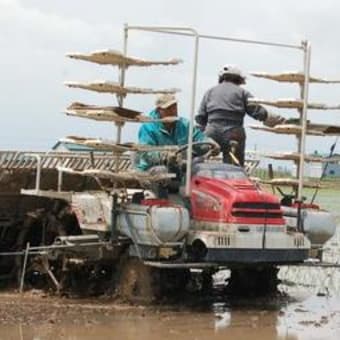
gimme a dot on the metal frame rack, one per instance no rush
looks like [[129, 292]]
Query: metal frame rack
[[304, 47]]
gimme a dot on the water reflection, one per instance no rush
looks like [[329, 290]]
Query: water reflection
[[222, 316], [313, 318]]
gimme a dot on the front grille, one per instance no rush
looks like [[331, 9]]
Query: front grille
[[222, 241], [256, 205], [265, 214], [263, 210], [299, 241]]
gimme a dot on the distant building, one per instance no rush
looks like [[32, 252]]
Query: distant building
[[333, 168], [313, 169], [316, 169]]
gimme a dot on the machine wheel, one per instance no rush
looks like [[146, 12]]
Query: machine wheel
[[207, 280], [253, 280], [41, 227], [137, 283], [174, 281]]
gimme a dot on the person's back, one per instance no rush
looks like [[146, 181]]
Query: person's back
[[226, 101], [222, 110]]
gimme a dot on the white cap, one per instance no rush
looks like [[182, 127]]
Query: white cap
[[231, 69], [164, 101]]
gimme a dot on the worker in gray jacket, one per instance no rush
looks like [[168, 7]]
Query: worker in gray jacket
[[222, 112]]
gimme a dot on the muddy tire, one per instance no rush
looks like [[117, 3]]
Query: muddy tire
[[137, 283], [253, 281], [173, 282], [41, 227]]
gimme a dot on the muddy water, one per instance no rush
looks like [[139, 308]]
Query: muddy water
[[308, 308], [299, 316]]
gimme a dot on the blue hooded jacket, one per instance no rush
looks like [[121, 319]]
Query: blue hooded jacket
[[155, 133]]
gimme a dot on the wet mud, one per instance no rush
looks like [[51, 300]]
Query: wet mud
[[297, 315]]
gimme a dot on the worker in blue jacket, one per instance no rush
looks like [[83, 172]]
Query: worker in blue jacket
[[174, 132]]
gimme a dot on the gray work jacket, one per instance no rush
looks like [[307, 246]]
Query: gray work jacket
[[228, 102]]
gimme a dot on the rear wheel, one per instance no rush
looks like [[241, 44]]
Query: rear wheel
[[137, 283], [253, 280], [173, 282], [39, 228]]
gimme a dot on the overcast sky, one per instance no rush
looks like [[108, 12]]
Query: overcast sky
[[35, 35]]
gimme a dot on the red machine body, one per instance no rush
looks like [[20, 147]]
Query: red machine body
[[231, 197]]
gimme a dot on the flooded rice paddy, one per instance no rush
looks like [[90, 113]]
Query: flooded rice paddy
[[308, 307]]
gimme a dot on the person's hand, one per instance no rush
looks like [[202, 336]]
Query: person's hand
[[273, 120], [215, 148], [208, 148], [169, 158], [215, 151], [200, 127]]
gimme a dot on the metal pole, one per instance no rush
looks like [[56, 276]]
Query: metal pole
[[114, 196], [122, 74], [38, 176], [121, 97], [121, 83], [37, 183], [298, 137], [60, 179], [180, 31], [307, 57], [119, 132], [114, 215], [50, 273], [24, 268], [191, 121]]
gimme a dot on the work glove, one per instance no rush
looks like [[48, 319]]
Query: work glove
[[215, 151], [273, 120], [169, 158], [200, 127], [207, 150]]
